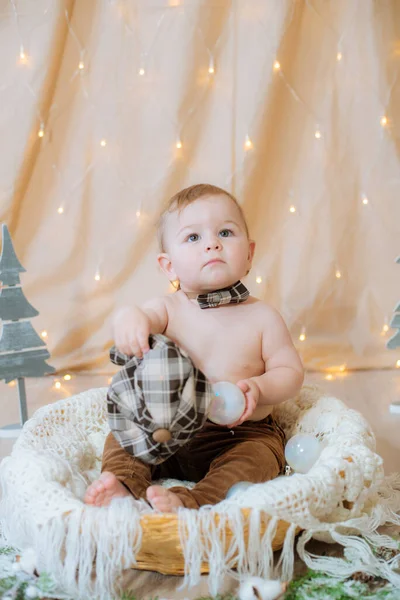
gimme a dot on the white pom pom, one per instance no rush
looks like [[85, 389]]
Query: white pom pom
[[28, 561], [31, 592], [256, 588], [228, 405]]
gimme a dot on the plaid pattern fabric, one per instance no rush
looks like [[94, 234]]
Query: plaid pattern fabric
[[233, 294], [161, 390]]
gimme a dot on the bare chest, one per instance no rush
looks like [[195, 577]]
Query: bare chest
[[224, 342]]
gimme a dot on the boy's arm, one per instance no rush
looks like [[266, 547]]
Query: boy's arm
[[157, 313], [284, 373], [132, 326]]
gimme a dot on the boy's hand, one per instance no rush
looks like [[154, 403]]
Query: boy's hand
[[131, 330], [251, 392]]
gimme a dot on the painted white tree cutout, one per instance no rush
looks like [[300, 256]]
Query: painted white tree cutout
[[23, 353], [394, 342]]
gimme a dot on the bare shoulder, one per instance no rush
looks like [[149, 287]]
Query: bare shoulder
[[157, 303], [169, 303], [277, 345], [266, 312], [273, 329]]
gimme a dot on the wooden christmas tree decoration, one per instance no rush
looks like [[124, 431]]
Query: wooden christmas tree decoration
[[21, 349], [394, 342]]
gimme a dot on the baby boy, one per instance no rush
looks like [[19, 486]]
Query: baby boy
[[205, 246]]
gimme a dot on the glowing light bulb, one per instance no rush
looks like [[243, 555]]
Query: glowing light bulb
[[338, 274], [258, 279], [302, 336], [141, 71], [292, 209], [97, 277], [179, 144], [60, 210], [81, 65], [339, 56], [211, 68], [138, 213], [103, 143], [398, 364], [57, 385], [23, 57], [384, 121], [67, 377], [277, 66], [41, 132], [342, 368], [44, 334], [318, 134], [11, 383], [329, 377], [248, 144], [364, 199]]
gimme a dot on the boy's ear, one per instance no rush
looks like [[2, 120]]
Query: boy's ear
[[165, 264], [252, 247]]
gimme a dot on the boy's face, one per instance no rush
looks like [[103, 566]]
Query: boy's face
[[206, 245]]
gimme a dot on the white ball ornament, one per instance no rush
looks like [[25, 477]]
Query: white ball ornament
[[238, 488], [228, 404], [302, 451], [16, 567], [31, 592]]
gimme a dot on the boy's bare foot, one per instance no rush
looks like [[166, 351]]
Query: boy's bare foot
[[104, 489], [162, 499]]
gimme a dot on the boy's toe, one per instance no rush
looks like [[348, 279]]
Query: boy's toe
[[107, 479], [155, 491]]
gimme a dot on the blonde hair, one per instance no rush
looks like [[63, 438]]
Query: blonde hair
[[185, 197]]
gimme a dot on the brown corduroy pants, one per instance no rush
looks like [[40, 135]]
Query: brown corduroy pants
[[215, 459]]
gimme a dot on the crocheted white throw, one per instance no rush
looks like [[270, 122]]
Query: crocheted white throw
[[343, 498]]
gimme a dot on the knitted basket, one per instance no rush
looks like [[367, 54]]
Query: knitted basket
[[58, 454]]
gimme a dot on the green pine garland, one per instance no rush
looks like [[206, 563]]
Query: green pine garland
[[311, 586]]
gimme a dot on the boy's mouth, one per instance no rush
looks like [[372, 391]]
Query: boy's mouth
[[213, 260]]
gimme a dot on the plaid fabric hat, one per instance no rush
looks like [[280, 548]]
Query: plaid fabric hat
[[160, 396], [233, 294]]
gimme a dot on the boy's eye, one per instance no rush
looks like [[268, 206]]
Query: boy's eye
[[193, 237], [225, 232]]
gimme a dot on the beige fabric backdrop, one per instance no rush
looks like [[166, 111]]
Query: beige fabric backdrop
[[143, 77]]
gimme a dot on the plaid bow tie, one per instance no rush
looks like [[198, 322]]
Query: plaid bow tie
[[233, 294]]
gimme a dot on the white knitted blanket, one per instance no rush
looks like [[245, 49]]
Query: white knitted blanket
[[343, 498]]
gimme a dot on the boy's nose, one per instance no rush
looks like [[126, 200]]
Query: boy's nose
[[214, 245]]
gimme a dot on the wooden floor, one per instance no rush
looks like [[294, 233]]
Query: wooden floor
[[369, 392]]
